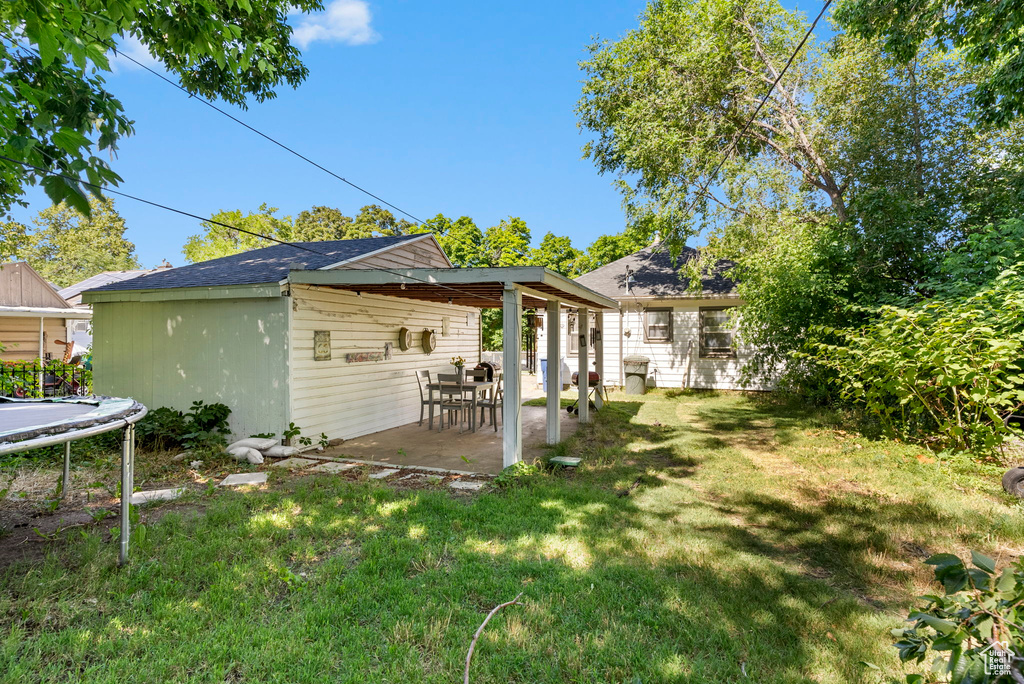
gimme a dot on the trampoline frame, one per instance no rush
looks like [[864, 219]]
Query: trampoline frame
[[125, 423]]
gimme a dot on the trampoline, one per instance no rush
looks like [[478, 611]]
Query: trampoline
[[33, 423]]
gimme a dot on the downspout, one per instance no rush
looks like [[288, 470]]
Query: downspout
[[622, 368]]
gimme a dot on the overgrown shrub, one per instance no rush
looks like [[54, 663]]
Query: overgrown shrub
[[974, 628], [203, 427], [946, 369], [518, 473]]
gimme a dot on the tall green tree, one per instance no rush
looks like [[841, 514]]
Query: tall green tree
[[68, 246], [608, 248], [507, 243], [318, 224], [988, 35], [217, 241], [14, 240], [55, 111], [557, 253], [460, 239]]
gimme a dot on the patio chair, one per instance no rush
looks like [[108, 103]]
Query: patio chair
[[476, 374], [493, 402], [453, 398], [426, 396]]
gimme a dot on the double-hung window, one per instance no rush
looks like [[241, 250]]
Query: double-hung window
[[658, 325], [717, 333]]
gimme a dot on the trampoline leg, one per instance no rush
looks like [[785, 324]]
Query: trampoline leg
[[127, 449], [66, 477]]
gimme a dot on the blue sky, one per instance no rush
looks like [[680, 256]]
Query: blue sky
[[464, 108]]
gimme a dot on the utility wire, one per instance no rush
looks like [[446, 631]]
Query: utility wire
[[732, 145], [151, 203], [251, 128]]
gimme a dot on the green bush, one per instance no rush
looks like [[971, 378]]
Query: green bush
[[979, 612], [20, 378], [518, 473], [203, 427], [946, 369]]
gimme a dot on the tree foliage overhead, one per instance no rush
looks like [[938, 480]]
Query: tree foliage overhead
[[986, 34], [55, 111], [66, 246]]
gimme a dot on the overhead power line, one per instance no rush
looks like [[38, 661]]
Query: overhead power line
[[251, 128], [207, 219], [732, 145]]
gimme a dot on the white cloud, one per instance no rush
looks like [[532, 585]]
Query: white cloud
[[132, 47], [344, 21]]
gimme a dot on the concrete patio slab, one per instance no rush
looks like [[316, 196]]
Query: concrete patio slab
[[333, 467], [294, 463], [383, 473], [239, 479], [157, 495], [415, 445]]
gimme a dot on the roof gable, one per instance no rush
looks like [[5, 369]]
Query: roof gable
[[657, 274], [261, 266], [20, 285]]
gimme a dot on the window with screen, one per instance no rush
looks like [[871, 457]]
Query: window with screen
[[658, 325], [717, 333]]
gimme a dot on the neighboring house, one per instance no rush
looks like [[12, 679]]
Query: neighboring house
[[236, 330], [78, 330], [33, 316], [688, 335]]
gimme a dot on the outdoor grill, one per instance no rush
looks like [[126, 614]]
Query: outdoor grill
[[492, 368], [592, 379]]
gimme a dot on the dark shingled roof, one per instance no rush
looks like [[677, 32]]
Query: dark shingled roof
[[656, 274], [267, 265]]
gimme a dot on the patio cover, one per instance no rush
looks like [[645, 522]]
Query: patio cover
[[511, 289]]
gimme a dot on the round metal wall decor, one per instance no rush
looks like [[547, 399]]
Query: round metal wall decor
[[404, 339], [429, 341]]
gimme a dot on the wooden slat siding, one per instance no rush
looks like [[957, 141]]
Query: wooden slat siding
[[20, 285], [420, 254], [173, 353], [351, 399], [20, 337], [668, 359]]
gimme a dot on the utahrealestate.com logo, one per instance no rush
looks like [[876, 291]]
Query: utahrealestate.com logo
[[998, 658]]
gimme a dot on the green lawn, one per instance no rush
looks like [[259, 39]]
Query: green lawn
[[756, 543]]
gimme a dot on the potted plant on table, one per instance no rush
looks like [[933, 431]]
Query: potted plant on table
[[459, 364]]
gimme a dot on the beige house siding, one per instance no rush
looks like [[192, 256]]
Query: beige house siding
[[173, 352], [347, 399], [673, 364], [20, 285], [20, 338], [425, 253]]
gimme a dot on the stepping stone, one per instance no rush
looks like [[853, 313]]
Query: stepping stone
[[243, 479], [157, 495], [382, 474], [567, 461], [413, 476], [332, 467], [471, 486], [293, 463]]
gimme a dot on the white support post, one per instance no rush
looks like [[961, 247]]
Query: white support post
[[599, 348], [584, 368], [127, 453], [512, 337], [554, 415]]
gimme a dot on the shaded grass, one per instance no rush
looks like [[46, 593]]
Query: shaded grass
[[755, 538]]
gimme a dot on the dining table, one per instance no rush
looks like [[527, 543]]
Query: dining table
[[474, 387]]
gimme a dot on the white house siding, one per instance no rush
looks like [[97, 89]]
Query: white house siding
[[673, 364], [19, 338], [343, 399]]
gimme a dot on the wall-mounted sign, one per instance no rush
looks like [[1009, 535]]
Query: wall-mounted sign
[[361, 357], [446, 323], [321, 345]]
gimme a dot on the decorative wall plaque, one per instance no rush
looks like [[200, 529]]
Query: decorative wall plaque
[[321, 345]]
